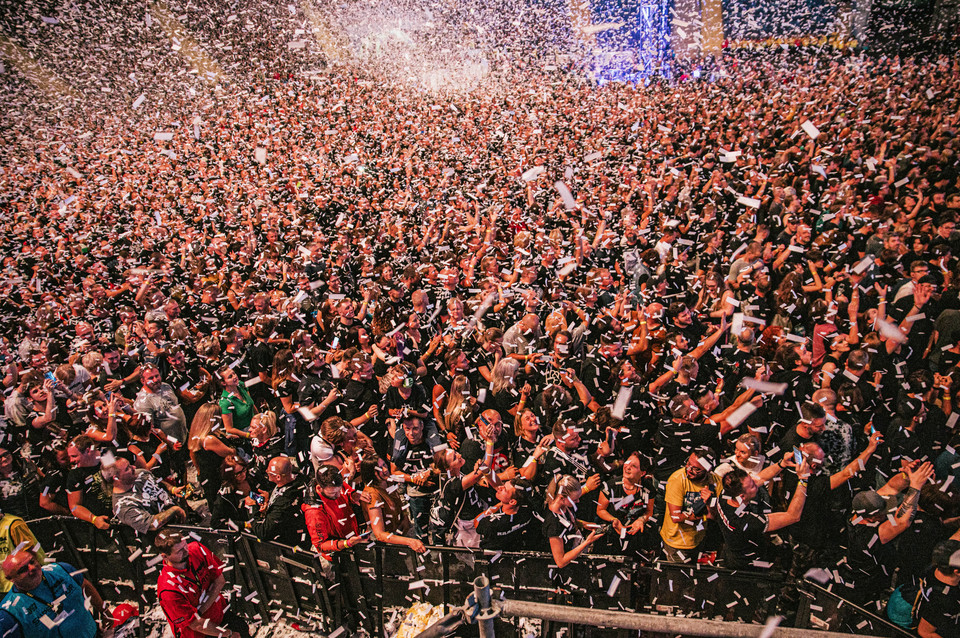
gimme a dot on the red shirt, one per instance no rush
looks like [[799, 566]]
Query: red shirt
[[180, 591], [330, 519]]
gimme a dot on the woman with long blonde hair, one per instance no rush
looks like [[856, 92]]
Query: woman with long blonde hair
[[207, 451], [459, 411]]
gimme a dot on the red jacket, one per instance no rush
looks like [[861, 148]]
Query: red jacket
[[330, 520], [179, 591]]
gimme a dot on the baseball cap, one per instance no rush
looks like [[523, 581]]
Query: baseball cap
[[946, 554], [124, 612], [869, 503]]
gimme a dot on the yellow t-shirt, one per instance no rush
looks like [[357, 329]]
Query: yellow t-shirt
[[13, 534], [684, 493]]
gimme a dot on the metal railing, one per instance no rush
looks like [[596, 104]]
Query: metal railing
[[367, 585]]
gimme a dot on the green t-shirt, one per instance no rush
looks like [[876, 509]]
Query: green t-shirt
[[239, 406]]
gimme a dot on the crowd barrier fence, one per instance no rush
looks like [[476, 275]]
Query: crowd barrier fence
[[371, 584]]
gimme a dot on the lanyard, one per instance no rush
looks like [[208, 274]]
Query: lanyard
[[49, 605]]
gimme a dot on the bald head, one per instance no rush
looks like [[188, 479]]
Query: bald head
[[23, 570], [280, 471], [530, 322], [490, 425]]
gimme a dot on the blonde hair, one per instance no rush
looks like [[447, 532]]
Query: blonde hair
[[504, 373], [457, 403], [201, 427], [562, 487], [518, 419], [268, 419]]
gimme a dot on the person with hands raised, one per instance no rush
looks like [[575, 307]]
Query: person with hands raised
[[461, 498], [743, 528], [873, 530], [493, 446]]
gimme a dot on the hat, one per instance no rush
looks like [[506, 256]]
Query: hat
[[946, 554], [869, 503], [124, 612]]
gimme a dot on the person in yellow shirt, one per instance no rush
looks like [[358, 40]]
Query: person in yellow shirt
[[14, 536], [688, 492]]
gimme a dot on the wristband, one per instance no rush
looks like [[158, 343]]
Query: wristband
[[802, 483]]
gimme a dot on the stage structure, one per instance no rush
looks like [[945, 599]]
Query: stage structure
[[626, 40]]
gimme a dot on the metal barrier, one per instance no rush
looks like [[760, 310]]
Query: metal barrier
[[369, 584], [822, 609], [268, 580]]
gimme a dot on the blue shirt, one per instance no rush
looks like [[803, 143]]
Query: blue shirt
[[37, 614]]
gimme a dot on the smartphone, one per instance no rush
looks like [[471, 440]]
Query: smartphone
[[605, 529], [873, 430], [49, 375], [797, 456], [257, 497]]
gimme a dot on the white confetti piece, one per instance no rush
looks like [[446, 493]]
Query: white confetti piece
[[763, 386], [810, 129], [533, 173], [565, 195]]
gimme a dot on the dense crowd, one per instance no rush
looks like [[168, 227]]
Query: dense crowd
[[714, 320]]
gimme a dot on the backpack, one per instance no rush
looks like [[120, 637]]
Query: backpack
[[903, 596]]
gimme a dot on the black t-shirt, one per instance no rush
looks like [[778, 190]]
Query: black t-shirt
[[563, 527], [418, 400], [792, 440], [743, 531], [311, 392], [818, 525], [940, 606], [625, 507], [522, 450], [97, 496], [559, 463], [510, 532], [473, 450], [357, 398], [124, 369], [456, 503], [869, 563], [53, 486], [259, 359]]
